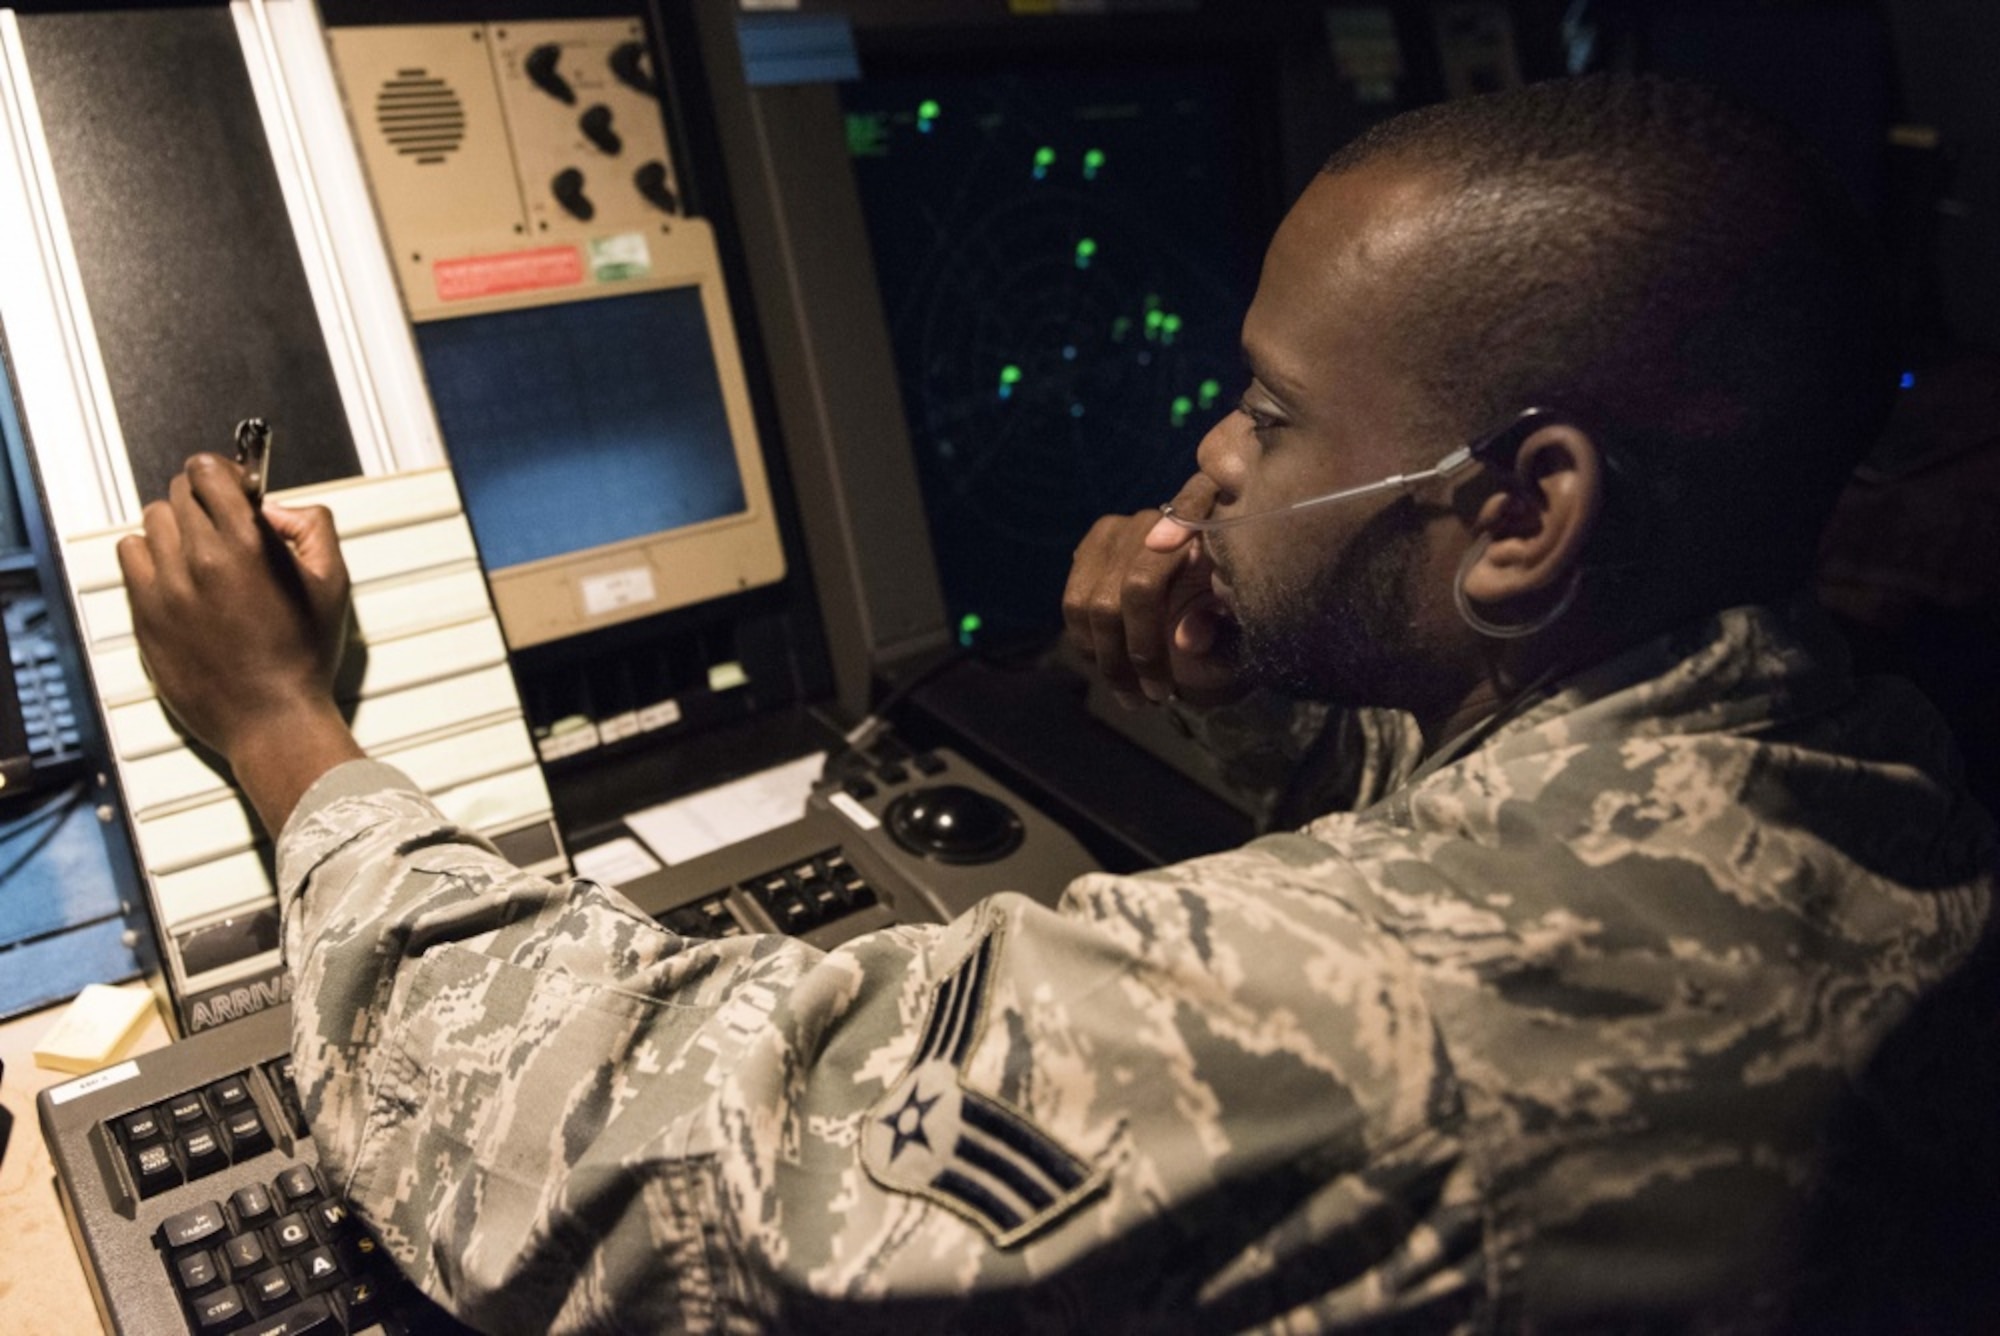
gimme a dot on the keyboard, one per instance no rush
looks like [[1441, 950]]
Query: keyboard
[[194, 1195], [193, 1191], [188, 1174]]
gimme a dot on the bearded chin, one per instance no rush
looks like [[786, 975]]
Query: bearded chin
[[1335, 659], [1341, 635]]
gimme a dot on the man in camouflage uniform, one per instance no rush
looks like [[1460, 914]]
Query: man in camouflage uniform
[[1651, 999]]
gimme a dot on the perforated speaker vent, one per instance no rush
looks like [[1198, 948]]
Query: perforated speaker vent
[[420, 116]]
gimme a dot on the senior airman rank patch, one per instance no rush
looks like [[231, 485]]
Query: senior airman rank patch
[[934, 1137]]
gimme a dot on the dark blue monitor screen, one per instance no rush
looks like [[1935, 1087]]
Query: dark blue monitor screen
[[1065, 254], [582, 424]]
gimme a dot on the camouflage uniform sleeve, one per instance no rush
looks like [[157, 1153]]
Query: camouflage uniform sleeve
[[1203, 1099]]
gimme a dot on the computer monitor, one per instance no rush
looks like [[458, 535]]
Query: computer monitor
[[606, 452], [1065, 249]]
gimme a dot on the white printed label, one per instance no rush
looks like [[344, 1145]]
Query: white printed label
[[568, 742], [660, 714], [854, 811], [84, 1085], [618, 727], [621, 256], [617, 589]]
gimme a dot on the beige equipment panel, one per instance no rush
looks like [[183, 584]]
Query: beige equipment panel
[[518, 165], [509, 157]]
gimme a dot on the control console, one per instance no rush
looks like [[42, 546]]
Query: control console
[[897, 837]]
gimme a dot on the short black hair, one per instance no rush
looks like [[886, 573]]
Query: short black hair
[[1681, 273]]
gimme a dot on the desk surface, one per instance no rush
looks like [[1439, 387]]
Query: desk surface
[[42, 1288]]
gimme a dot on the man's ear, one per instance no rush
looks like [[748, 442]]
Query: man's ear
[[1537, 524]]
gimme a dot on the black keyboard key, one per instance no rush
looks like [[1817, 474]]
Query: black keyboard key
[[321, 1270], [859, 788], [185, 1111], [196, 1272], [231, 1092], [246, 1133], [284, 1075], [826, 899], [141, 1127], [311, 1318], [154, 1169], [244, 1254], [292, 1235], [271, 1288], [929, 763], [253, 1205], [891, 773], [202, 1150], [709, 918], [360, 1251], [193, 1228], [223, 1310], [298, 1183], [793, 914], [361, 1299], [854, 890], [330, 1219]]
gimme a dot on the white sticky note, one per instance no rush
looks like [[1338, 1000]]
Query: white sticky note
[[715, 818], [93, 1028]]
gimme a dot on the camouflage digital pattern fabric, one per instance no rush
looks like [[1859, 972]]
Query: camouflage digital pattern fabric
[[1546, 1037], [1286, 761]]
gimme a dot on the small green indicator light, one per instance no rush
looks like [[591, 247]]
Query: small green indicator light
[[1210, 391], [1085, 249], [1093, 162], [968, 626], [1169, 326], [1010, 376], [1183, 407], [1154, 320], [1045, 158], [927, 113], [867, 136], [1120, 328]]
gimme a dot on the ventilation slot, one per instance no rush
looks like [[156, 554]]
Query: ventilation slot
[[420, 116]]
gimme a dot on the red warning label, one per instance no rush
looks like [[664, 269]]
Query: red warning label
[[517, 271]]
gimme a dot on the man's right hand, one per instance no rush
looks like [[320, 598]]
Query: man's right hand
[[1140, 606], [238, 620]]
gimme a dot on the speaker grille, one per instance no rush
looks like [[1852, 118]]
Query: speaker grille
[[420, 116]]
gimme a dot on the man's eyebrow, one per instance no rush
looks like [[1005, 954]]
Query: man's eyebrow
[[1274, 381]]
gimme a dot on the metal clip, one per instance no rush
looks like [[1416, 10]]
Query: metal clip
[[253, 452]]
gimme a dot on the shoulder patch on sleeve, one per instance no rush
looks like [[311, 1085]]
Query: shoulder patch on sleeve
[[933, 1136]]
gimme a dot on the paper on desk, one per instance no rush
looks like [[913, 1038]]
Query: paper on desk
[[615, 863], [715, 818]]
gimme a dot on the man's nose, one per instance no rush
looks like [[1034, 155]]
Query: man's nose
[[1220, 456]]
